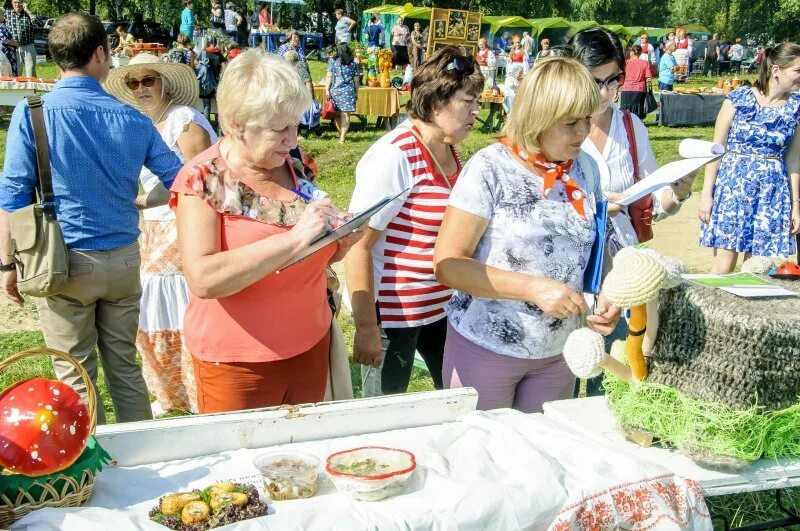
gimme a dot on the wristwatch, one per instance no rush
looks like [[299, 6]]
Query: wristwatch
[[11, 266], [678, 200]]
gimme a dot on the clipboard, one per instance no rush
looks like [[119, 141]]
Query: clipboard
[[343, 230]]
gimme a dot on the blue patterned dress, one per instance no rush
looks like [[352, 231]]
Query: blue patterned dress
[[752, 210], [343, 88]]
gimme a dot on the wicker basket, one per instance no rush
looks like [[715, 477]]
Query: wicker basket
[[55, 490]]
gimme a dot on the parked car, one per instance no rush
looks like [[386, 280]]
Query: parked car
[[40, 41]]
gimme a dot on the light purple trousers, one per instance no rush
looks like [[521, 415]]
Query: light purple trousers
[[504, 381]]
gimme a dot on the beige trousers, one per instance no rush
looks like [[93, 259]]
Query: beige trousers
[[100, 308]]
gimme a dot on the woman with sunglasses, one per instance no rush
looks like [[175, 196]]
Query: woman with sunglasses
[[619, 144], [515, 241], [165, 92], [397, 303]]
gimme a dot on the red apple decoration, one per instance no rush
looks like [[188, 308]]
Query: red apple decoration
[[44, 427]]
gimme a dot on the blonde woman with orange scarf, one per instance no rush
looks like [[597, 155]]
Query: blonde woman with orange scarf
[[514, 242]]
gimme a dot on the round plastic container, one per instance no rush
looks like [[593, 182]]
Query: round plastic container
[[289, 475], [371, 473]]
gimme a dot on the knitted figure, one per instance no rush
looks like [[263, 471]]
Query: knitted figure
[[716, 374]]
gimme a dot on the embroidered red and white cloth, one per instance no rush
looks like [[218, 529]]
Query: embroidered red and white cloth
[[662, 502]]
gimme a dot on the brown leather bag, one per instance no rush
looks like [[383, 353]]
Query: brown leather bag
[[641, 211]]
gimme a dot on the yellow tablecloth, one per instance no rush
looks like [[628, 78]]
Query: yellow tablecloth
[[371, 101]]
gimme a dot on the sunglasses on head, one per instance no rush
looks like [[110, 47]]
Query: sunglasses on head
[[462, 64], [148, 82], [611, 82]]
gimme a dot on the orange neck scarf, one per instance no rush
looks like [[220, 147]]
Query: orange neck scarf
[[552, 172]]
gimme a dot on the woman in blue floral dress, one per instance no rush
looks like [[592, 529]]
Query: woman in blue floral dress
[[750, 202], [341, 85]]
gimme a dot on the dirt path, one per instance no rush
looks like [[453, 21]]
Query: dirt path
[[678, 236]]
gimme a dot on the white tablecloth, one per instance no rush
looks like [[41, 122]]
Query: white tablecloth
[[501, 470], [592, 417]]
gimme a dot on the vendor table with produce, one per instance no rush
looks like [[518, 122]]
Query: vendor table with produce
[[372, 101], [468, 470], [14, 90], [682, 109], [152, 47]]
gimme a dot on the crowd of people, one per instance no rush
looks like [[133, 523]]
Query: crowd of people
[[478, 266]]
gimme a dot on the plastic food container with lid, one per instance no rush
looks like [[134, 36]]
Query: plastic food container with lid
[[371, 473], [289, 475]]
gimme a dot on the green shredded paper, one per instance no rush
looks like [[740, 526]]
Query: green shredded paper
[[681, 421]]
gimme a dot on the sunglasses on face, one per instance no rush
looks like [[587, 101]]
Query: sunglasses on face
[[148, 82], [461, 64], [611, 82]]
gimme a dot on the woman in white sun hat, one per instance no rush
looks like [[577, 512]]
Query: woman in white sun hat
[[165, 92]]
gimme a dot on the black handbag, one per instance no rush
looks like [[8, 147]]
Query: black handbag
[[650, 104]]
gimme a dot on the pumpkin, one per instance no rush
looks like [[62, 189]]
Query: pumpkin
[[44, 427]]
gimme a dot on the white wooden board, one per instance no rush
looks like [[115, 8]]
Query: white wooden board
[[137, 443]]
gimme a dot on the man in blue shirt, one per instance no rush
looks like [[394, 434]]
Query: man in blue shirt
[[187, 19], [97, 149]]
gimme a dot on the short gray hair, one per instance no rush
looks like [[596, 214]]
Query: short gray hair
[[291, 56], [258, 88]]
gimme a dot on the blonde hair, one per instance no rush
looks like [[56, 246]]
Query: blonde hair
[[558, 89], [257, 88]]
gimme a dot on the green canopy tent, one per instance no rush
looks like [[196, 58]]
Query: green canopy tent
[[389, 15], [491, 26], [619, 30], [657, 33], [556, 29], [636, 31], [580, 25]]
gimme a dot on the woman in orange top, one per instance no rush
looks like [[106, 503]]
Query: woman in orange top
[[257, 337]]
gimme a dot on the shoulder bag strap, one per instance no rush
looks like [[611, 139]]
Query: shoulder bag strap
[[628, 121], [42, 150]]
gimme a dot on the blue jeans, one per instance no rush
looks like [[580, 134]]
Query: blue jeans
[[207, 108], [664, 86], [234, 35]]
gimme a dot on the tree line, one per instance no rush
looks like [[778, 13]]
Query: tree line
[[756, 21]]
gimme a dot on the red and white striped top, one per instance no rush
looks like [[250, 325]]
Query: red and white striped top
[[407, 291]]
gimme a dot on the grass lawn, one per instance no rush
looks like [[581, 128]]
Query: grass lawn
[[336, 164]]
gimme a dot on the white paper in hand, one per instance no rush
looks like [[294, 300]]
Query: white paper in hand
[[697, 154], [691, 148]]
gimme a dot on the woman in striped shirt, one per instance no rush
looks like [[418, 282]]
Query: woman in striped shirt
[[398, 306]]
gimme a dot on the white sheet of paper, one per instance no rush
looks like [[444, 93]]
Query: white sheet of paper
[[751, 292], [690, 148], [664, 176], [696, 153]]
